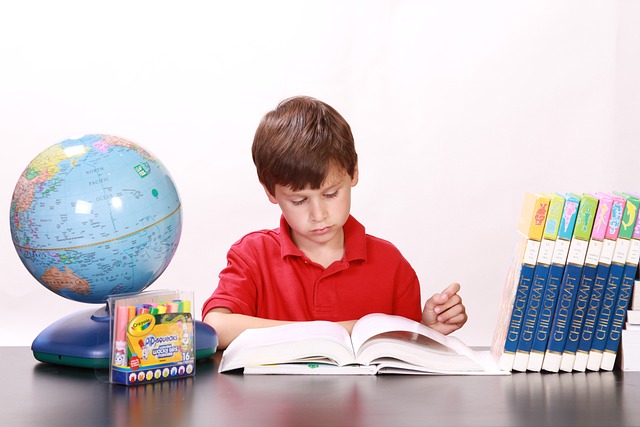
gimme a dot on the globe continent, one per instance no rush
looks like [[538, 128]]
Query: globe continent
[[94, 217]]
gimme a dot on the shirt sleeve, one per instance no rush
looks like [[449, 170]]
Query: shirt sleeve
[[236, 288], [407, 301]]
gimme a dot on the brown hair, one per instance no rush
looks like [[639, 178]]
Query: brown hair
[[296, 144]]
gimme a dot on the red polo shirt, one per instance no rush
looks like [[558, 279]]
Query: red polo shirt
[[267, 276]]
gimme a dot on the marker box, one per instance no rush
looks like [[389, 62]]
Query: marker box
[[152, 337]]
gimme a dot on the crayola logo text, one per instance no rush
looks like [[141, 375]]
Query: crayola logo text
[[141, 325]]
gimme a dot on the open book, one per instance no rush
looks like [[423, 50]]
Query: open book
[[379, 344]]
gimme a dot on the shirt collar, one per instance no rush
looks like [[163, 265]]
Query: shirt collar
[[354, 240]]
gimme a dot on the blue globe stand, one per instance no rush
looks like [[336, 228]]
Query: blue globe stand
[[82, 340]]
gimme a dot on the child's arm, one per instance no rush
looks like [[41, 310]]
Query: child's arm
[[229, 325], [445, 312]]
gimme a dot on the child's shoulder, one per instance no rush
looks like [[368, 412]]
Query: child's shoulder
[[383, 252], [259, 238], [380, 244], [360, 240], [263, 247]]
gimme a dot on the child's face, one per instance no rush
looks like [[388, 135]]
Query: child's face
[[316, 216]]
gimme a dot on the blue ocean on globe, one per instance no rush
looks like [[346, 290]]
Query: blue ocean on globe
[[94, 217]]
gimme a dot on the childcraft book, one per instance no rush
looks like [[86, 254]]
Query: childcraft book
[[379, 344]]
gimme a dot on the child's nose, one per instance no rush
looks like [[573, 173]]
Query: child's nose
[[318, 211]]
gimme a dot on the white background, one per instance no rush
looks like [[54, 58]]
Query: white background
[[457, 107]]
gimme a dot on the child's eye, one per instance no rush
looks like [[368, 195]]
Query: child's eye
[[298, 202], [331, 195]]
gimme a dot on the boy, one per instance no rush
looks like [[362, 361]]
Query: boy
[[319, 264]]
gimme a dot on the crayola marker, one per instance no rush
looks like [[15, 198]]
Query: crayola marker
[[120, 355], [132, 313], [186, 306], [172, 307]]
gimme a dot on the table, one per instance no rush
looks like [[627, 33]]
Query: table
[[37, 394]]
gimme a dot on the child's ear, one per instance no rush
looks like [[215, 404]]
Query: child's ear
[[271, 197], [354, 179]]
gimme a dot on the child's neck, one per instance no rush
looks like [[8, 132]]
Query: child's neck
[[323, 254]]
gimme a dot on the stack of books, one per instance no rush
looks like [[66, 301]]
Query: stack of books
[[630, 342], [570, 283]]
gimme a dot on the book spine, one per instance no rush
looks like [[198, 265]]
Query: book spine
[[541, 273], [554, 280], [570, 281], [515, 295], [624, 294], [611, 291], [606, 310], [620, 311], [589, 269]]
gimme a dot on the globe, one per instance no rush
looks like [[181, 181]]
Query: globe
[[95, 217]]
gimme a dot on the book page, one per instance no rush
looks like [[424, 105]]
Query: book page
[[376, 324], [316, 341], [380, 339]]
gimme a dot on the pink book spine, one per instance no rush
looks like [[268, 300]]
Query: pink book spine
[[602, 217], [617, 208]]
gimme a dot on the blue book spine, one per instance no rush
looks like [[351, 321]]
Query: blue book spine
[[579, 313], [545, 318], [564, 309], [591, 316], [519, 305], [604, 317], [527, 333], [620, 311]]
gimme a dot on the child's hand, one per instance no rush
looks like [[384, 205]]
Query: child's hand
[[445, 312], [348, 325]]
